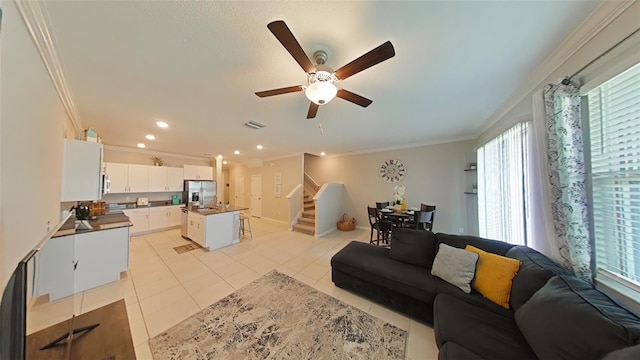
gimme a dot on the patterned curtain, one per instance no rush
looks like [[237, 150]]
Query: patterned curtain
[[567, 176]]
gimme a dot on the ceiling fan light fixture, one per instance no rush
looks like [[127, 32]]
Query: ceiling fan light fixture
[[321, 92]]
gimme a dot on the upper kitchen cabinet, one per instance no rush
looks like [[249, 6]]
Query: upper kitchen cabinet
[[127, 178], [81, 170], [195, 172], [164, 178]]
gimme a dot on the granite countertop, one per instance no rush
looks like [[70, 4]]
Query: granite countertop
[[103, 222], [212, 211]]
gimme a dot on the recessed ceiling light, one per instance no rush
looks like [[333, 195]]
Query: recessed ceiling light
[[150, 137], [162, 124], [224, 162], [141, 145], [237, 152], [322, 154], [219, 156], [259, 147]]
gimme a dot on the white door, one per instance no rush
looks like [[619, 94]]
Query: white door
[[256, 195], [239, 189]]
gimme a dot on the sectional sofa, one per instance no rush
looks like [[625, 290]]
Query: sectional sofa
[[550, 314]]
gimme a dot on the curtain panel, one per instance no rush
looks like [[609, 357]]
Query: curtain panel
[[567, 200]]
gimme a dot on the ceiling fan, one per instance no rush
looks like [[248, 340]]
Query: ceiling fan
[[321, 79]]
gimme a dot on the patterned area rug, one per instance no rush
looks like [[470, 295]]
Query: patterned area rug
[[184, 248], [278, 317]]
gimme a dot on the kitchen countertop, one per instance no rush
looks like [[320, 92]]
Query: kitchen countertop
[[132, 205], [208, 211], [112, 220]]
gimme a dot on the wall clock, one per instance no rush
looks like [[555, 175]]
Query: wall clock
[[392, 170]]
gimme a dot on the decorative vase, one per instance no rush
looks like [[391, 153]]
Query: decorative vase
[[403, 206]]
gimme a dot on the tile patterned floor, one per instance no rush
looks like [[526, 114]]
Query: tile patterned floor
[[163, 287]]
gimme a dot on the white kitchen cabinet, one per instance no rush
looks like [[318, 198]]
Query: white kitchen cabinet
[[196, 228], [100, 257], [139, 218], [81, 170], [164, 217], [196, 172], [127, 177], [164, 178], [69, 264]]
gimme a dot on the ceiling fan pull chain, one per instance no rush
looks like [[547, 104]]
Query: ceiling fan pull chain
[[320, 127]]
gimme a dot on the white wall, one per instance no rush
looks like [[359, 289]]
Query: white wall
[[274, 208], [522, 110], [143, 157], [32, 126], [435, 176]]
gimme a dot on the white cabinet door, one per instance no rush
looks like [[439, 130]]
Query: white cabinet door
[[174, 213], [157, 178], [138, 178], [139, 218], [81, 170], [201, 231], [158, 218], [100, 257], [54, 268], [175, 179], [206, 173], [119, 176]]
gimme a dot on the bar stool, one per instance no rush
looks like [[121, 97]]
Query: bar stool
[[244, 217]]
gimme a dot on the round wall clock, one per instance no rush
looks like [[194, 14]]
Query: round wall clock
[[392, 170]]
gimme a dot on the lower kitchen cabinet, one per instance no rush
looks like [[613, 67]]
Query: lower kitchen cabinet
[[214, 231], [139, 218], [70, 264], [153, 218]]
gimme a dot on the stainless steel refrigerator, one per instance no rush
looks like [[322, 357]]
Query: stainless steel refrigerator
[[206, 191]]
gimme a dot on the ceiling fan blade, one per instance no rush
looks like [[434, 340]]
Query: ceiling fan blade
[[281, 31], [354, 98], [281, 91], [313, 110], [373, 57]]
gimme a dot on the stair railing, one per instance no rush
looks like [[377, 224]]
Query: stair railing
[[329, 207], [310, 185], [296, 204]]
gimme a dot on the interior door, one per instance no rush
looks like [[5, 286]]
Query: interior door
[[256, 195], [239, 191]]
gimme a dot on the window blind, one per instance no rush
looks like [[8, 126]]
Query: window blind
[[614, 131], [501, 186]]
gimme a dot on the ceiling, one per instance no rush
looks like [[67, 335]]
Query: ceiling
[[196, 65]]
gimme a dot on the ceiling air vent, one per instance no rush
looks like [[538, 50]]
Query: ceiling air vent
[[254, 125]]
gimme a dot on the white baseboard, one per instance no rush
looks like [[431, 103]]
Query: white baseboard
[[276, 220], [326, 232]]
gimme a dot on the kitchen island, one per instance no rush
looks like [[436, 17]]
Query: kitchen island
[[214, 228]]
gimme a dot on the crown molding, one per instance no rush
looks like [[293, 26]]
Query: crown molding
[[602, 16], [404, 146], [34, 15], [153, 152]]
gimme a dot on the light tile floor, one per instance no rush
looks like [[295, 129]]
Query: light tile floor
[[163, 287]]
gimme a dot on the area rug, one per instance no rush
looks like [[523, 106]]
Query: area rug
[[278, 317], [184, 248]]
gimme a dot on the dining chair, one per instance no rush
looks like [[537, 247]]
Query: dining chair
[[381, 205], [432, 208], [422, 220], [383, 227]]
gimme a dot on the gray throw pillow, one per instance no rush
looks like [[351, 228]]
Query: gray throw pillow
[[455, 266]]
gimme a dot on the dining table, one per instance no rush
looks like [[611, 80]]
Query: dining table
[[399, 217]]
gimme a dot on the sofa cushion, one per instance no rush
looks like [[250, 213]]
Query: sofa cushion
[[416, 247], [569, 318], [628, 353], [534, 272], [484, 333], [494, 274], [372, 264], [461, 241], [473, 298], [453, 351], [455, 266]]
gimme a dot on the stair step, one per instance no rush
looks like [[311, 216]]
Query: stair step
[[307, 221], [309, 207], [310, 201], [309, 214], [304, 229]]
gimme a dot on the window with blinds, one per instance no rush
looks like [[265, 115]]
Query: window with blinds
[[502, 167], [614, 132]]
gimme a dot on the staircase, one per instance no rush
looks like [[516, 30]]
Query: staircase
[[307, 223]]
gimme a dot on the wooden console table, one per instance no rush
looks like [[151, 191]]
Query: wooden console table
[[109, 341]]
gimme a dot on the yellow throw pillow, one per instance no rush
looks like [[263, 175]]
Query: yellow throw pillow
[[494, 275]]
